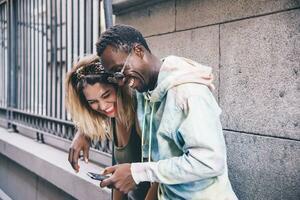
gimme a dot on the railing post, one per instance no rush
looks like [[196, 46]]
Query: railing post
[[12, 61], [40, 137], [8, 72], [108, 13]]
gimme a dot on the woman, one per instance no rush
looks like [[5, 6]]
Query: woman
[[101, 110]]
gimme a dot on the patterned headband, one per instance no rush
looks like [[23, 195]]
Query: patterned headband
[[94, 69]]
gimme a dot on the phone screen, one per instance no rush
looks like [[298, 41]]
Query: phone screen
[[95, 176]]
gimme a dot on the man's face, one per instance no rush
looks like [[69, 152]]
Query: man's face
[[135, 69]]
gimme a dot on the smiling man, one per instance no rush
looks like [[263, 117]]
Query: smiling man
[[181, 131]]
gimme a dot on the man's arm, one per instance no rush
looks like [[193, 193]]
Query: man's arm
[[80, 142]]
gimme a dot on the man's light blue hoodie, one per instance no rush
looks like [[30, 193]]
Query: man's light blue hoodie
[[182, 135]]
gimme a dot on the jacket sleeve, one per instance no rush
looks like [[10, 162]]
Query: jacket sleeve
[[204, 152]]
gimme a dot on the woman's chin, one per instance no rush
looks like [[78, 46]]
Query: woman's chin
[[111, 115]]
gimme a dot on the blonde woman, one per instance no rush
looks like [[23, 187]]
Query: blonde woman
[[92, 100]]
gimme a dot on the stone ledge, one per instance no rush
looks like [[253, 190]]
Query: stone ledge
[[52, 165], [122, 6], [4, 196]]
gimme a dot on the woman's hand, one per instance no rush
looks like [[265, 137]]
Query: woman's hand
[[80, 142]]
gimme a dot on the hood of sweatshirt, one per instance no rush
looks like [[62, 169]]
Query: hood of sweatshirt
[[178, 70]]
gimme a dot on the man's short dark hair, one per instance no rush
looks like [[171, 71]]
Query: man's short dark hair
[[122, 37]]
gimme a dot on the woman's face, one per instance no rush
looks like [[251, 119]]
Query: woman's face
[[101, 98]]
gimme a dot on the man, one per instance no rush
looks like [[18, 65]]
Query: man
[[179, 117]]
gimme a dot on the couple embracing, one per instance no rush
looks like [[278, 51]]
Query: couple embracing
[[161, 114]]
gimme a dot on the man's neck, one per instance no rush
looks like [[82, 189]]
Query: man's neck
[[157, 63]]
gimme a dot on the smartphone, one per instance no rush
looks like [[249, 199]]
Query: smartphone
[[95, 176]]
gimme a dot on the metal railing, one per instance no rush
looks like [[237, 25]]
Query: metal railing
[[39, 41], [3, 53]]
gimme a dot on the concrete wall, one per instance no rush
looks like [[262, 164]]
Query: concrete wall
[[20, 183], [254, 49]]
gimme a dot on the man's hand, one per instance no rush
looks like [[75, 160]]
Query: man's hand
[[80, 142], [121, 178]]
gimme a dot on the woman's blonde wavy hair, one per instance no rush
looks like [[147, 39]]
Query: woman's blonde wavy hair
[[94, 124]]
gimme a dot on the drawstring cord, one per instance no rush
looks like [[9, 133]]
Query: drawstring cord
[[143, 130], [150, 135], [150, 129]]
